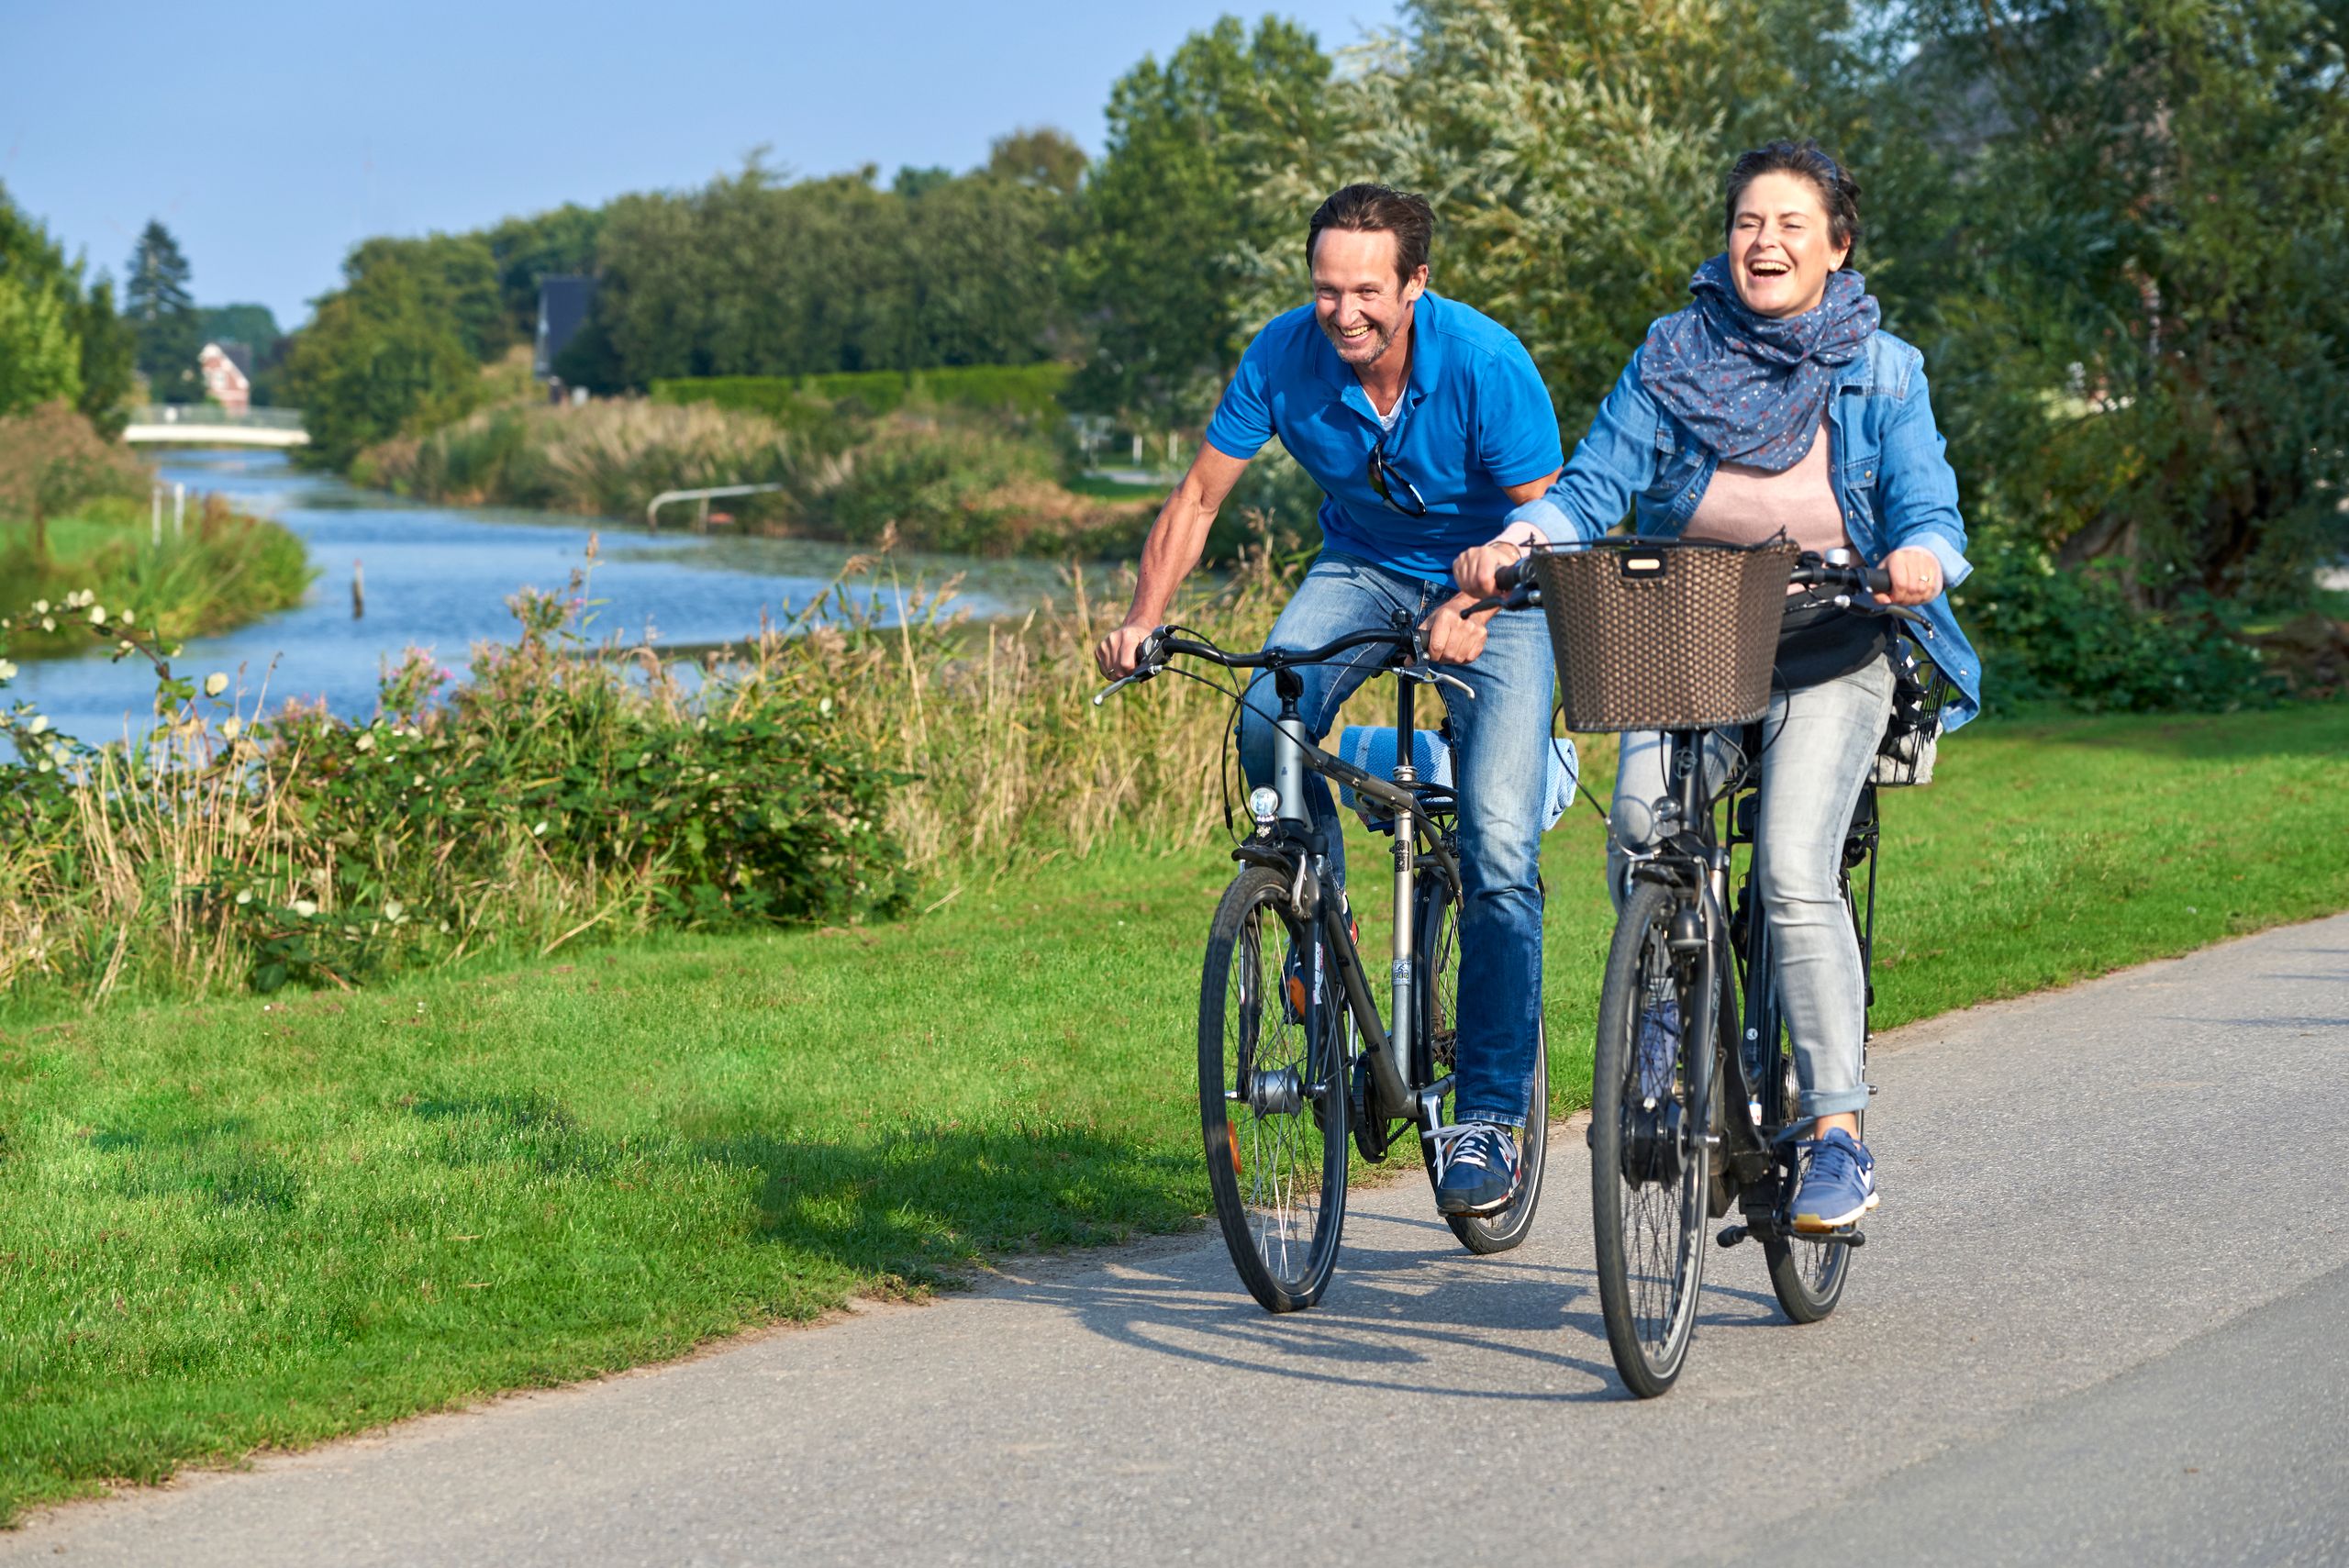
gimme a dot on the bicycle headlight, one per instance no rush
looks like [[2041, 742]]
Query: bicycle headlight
[[1263, 805]]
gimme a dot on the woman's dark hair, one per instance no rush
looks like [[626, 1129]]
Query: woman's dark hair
[[1379, 210], [1838, 191]]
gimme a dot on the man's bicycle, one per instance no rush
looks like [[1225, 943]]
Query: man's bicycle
[[1296, 1059], [1693, 1099]]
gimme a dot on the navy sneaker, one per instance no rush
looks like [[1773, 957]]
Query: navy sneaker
[[1837, 1184], [1476, 1168]]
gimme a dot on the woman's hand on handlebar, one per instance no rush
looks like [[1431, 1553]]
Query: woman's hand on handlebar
[[1117, 653], [1916, 575], [1477, 570]]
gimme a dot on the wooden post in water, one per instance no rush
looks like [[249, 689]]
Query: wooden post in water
[[179, 508], [358, 591]]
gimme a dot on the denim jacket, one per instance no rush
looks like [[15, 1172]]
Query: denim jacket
[[1885, 462]]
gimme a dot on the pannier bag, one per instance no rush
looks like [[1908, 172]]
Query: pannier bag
[[1905, 755]]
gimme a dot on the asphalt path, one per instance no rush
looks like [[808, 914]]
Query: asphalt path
[[2102, 1317]]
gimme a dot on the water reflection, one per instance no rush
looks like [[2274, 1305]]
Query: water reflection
[[438, 577]]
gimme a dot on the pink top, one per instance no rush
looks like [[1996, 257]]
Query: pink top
[[1746, 505]]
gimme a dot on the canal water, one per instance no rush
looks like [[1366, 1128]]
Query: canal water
[[438, 578]]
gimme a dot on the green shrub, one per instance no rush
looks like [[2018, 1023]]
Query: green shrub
[[559, 792], [2078, 636]]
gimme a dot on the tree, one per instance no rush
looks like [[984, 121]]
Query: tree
[[454, 278], [51, 459], [255, 326], [1574, 151], [40, 358], [46, 296], [109, 360], [558, 243], [379, 359], [1040, 156], [2148, 350], [163, 316], [1174, 210]]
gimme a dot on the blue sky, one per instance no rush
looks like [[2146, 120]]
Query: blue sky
[[269, 137]]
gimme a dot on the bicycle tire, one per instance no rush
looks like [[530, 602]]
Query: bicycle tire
[[1275, 1146], [1650, 1230], [1436, 931]]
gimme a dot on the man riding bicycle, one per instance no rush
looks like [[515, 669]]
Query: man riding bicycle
[[1424, 422]]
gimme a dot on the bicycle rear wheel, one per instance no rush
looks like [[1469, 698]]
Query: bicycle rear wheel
[[1648, 1159], [1271, 1102], [1807, 1275], [1437, 932]]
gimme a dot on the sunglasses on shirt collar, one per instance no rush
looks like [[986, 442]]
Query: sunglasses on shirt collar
[[1386, 479]]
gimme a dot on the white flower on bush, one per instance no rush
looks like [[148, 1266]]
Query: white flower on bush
[[540, 831], [40, 726], [40, 606], [305, 907], [214, 684], [231, 726], [97, 614], [8, 671], [365, 742]]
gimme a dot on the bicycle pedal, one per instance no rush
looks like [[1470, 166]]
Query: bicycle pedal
[[1731, 1235]]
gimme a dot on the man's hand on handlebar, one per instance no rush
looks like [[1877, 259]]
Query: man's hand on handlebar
[[1452, 638], [1476, 569], [1117, 652]]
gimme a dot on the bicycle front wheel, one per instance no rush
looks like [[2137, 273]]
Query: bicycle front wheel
[[1271, 1102], [1648, 1155]]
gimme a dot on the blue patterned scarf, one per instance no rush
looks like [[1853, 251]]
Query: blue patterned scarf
[[1753, 388]]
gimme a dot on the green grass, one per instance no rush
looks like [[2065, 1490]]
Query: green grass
[[221, 571], [249, 1222]]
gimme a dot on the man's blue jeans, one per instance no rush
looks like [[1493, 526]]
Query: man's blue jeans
[[1500, 739]]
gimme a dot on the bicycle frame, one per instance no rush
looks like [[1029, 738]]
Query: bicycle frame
[[1288, 842]]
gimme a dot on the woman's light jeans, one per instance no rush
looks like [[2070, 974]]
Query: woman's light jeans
[[1819, 744]]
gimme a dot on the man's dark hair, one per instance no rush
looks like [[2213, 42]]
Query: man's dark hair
[[1838, 191], [1379, 210]]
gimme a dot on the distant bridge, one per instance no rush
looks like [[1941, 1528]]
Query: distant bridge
[[209, 425]]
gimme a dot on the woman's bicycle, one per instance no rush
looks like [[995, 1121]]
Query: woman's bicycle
[[1296, 1060], [1694, 1099]]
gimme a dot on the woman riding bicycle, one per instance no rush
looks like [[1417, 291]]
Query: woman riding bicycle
[[1773, 405]]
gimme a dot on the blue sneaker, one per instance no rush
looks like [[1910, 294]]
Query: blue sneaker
[[1837, 1184], [1476, 1167]]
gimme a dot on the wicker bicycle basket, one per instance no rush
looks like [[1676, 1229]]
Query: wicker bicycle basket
[[1663, 635]]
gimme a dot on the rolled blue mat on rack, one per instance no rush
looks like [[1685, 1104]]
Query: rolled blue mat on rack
[[1372, 749]]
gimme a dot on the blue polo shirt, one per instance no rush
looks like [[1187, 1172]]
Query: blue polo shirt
[[1475, 417]]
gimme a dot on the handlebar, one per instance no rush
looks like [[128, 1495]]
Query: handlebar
[[1408, 642], [1518, 590]]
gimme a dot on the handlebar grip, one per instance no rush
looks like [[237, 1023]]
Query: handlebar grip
[[1516, 575], [1877, 580]]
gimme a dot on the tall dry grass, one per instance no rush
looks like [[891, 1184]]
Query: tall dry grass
[[571, 794]]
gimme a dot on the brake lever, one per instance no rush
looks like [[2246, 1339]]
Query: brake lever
[[1524, 597], [1142, 672], [1435, 677]]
